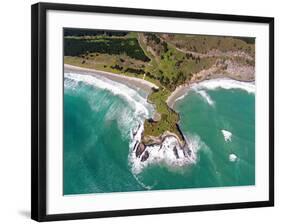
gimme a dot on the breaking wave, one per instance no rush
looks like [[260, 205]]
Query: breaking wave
[[130, 112], [233, 157], [131, 123], [206, 97], [135, 99], [216, 84], [227, 135], [169, 153], [225, 84]]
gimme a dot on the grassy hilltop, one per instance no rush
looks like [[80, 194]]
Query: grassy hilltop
[[167, 60]]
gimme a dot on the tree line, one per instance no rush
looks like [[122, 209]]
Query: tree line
[[116, 46], [89, 32]]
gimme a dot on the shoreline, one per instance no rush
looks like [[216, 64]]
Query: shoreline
[[220, 70], [140, 147], [126, 80], [177, 93], [183, 89], [147, 86]]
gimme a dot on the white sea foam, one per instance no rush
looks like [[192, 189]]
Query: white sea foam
[[164, 154], [206, 96], [233, 157], [181, 97], [147, 187], [135, 100], [124, 117], [225, 84], [227, 135], [127, 119], [70, 84], [222, 83]]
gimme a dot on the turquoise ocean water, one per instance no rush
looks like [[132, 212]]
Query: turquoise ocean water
[[97, 139]]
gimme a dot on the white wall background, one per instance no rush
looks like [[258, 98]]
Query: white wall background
[[15, 110]]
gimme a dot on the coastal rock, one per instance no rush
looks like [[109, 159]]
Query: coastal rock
[[233, 157], [176, 152], [137, 142], [152, 140], [140, 149], [186, 151], [145, 156]]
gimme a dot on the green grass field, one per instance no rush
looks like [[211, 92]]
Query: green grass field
[[160, 57]]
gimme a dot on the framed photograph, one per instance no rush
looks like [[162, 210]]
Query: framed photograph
[[139, 111]]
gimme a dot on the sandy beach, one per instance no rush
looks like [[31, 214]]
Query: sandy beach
[[130, 81], [178, 92], [147, 86], [216, 82], [233, 72]]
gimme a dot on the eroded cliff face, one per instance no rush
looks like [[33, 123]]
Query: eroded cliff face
[[168, 149]]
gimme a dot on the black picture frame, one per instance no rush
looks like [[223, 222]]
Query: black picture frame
[[39, 122]]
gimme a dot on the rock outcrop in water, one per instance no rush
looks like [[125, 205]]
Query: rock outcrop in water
[[140, 148], [145, 156]]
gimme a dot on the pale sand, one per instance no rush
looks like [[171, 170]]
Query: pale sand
[[130, 81], [177, 93], [148, 86], [242, 74]]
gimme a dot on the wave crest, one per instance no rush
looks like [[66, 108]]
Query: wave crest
[[169, 153], [225, 84], [134, 117], [135, 99], [127, 115], [205, 96], [227, 135]]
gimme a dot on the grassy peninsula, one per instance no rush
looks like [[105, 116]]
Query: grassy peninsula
[[166, 60]]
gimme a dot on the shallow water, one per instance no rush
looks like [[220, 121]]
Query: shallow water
[[99, 118]]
